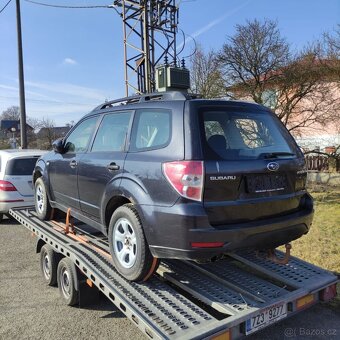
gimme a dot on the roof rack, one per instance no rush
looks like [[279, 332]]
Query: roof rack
[[171, 95]]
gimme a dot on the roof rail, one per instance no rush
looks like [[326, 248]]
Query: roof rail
[[170, 95], [121, 101]]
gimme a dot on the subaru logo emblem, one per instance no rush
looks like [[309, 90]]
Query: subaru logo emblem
[[273, 166]]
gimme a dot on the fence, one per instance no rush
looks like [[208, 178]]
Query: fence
[[317, 162]]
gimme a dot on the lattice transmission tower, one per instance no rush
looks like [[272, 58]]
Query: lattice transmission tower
[[149, 29]]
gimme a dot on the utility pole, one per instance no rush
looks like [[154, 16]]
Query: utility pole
[[23, 135]]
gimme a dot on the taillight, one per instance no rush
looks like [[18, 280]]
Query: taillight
[[186, 177], [7, 186]]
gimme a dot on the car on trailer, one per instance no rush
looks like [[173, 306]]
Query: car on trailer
[[169, 175]]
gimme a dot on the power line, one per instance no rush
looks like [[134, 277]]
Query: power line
[[3, 8], [63, 6], [48, 101]]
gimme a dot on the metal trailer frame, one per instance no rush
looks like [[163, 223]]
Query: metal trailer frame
[[185, 300]]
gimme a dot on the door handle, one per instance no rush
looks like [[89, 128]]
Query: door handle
[[73, 164], [113, 166]]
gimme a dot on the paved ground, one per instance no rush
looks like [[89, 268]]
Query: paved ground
[[31, 310]]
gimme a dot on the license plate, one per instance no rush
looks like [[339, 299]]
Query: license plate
[[266, 183], [265, 318]]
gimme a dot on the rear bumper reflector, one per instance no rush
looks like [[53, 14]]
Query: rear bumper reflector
[[305, 301]]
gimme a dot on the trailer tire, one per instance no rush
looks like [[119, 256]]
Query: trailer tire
[[66, 277], [41, 200], [128, 246], [49, 264]]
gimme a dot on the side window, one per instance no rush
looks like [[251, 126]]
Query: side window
[[79, 138], [152, 129], [112, 132]]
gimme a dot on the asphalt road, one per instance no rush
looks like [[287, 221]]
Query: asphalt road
[[31, 310]]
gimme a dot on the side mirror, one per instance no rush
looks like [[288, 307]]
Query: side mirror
[[58, 145]]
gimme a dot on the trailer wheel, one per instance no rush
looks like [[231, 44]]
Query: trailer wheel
[[41, 201], [48, 264], [66, 277], [128, 246]]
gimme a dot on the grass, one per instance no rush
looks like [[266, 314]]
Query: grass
[[321, 246]]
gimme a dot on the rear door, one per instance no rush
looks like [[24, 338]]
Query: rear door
[[103, 164], [250, 165], [19, 172]]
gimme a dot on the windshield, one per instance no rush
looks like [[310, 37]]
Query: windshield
[[243, 135]]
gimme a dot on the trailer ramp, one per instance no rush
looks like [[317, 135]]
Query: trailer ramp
[[226, 299]]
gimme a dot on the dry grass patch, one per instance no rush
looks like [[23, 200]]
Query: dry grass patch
[[321, 246]]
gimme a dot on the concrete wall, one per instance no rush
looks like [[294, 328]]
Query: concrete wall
[[327, 178]]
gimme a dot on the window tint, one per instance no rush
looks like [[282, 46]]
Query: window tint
[[79, 138], [21, 166], [152, 129], [112, 132], [238, 135]]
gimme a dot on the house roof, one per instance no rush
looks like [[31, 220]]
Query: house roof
[[7, 124]]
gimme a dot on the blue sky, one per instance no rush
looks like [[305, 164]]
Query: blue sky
[[74, 57]]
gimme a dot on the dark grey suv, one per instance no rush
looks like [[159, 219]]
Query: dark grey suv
[[171, 176]]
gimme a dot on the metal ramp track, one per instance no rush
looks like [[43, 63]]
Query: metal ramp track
[[185, 300], [296, 273], [157, 309]]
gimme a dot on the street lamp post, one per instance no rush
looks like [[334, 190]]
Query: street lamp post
[[13, 140]]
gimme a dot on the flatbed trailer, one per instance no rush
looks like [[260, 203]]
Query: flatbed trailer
[[226, 299]]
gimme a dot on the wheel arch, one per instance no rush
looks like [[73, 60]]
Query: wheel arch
[[130, 191], [39, 170], [112, 205]]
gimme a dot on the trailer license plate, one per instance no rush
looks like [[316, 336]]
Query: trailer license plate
[[266, 317]]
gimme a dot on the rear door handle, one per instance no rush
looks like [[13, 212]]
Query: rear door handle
[[73, 164], [113, 167]]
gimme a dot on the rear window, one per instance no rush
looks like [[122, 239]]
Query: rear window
[[241, 135], [21, 166]]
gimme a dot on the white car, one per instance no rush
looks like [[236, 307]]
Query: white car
[[16, 168]]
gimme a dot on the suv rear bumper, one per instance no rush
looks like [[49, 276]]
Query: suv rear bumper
[[174, 232]]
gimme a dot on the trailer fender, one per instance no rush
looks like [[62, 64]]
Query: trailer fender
[[39, 245]]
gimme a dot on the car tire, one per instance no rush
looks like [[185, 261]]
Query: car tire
[[41, 201], [128, 246], [66, 277], [49, 264]]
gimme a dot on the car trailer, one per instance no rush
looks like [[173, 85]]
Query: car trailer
[[226, 299]]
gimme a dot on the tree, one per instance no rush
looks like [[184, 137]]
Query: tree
[[306, 92], [251, 57], [46, 134], [331, 43], [11, 113], [300, 87], [206, 76]]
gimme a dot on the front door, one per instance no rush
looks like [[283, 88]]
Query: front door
[[63, 169]]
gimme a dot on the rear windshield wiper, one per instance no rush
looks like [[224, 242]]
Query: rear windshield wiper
[[268, 155]]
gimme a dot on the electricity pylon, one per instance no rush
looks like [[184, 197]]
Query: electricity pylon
[[149, 30]]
